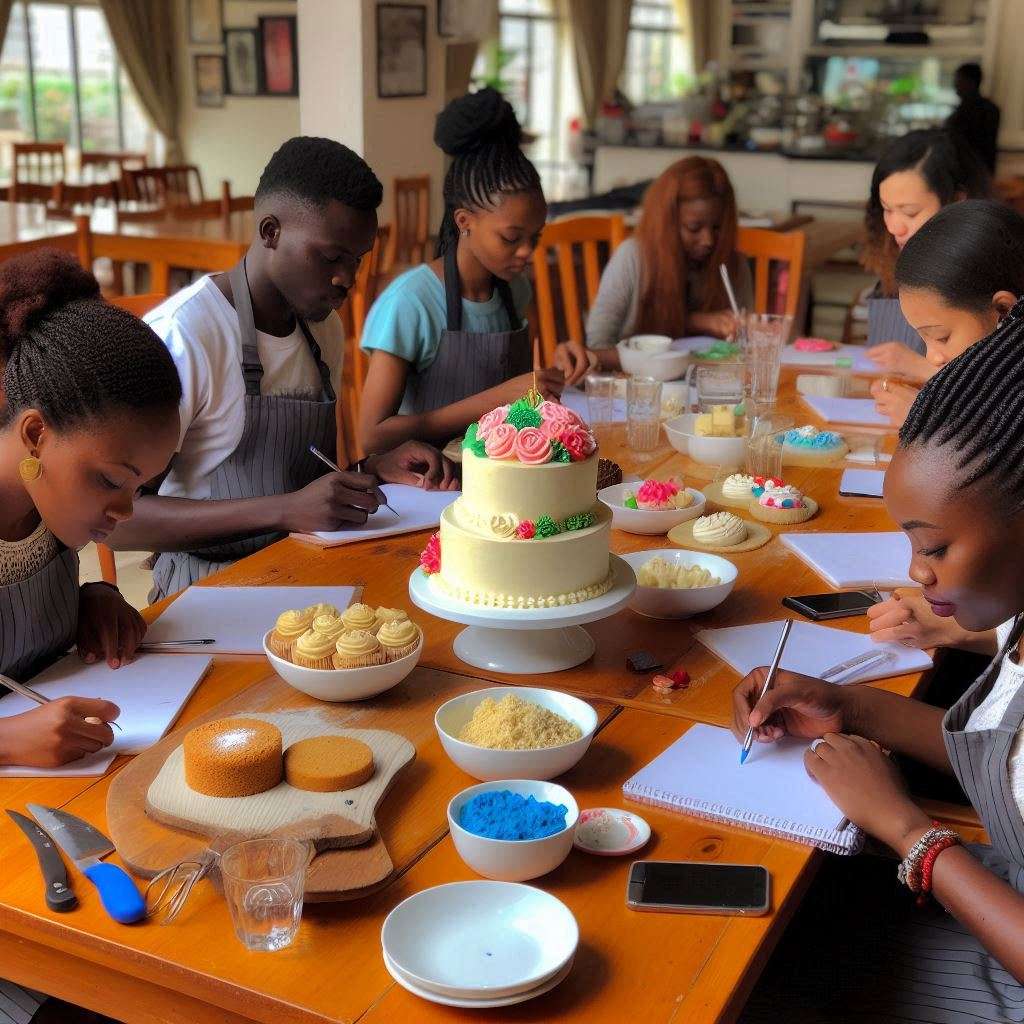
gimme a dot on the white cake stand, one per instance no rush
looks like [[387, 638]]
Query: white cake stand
[[525, 642]]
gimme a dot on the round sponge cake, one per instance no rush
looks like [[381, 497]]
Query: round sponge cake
[[233, 757], [328, 764]]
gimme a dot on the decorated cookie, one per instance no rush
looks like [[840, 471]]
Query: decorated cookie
[[661, 495], [808, 445], [781, 504]]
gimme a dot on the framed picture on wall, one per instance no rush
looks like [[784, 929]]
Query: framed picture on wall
[[401, 50], [205, 21], [279, 55], [459, 18], [242, 53], [209, 72]]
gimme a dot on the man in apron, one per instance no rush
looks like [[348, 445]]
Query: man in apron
[[259, 353]]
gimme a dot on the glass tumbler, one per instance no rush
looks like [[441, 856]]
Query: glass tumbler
[[762, 339], [719, 385], [600, 389], [643, 413]]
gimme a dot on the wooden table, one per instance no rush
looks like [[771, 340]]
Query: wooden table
[[650, 967], [25, 226]]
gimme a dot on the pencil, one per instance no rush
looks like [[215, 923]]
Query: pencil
[[313, 450], [27, 691], [748, 740]]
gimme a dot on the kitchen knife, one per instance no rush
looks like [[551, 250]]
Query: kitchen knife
[[59, 896], [85, 845]]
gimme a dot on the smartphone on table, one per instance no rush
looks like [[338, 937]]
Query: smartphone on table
[[833, 606], [698, 887]]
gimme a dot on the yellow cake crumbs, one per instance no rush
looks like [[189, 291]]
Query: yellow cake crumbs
[[516, 724]]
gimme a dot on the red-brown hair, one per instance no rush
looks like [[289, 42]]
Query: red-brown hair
[[663, 263]]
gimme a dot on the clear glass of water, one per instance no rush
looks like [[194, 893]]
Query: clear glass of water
[[764, 445], [600, 389], [762, 337], [719, 385], [264, 884], [643, 413]]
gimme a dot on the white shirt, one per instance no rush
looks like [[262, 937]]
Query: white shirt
[[200, 329]]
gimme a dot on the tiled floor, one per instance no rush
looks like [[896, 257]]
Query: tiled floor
[[133, 581]]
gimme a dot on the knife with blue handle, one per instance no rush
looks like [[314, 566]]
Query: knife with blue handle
[[85, 845], [57, 891]]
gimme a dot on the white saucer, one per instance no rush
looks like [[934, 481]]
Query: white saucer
[[629, 832]]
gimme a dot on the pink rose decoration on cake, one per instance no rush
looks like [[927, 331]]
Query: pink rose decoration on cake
[[526, 530], [501, 442], [578, 442], [490, 420], [556, 419], [532, 447], [430, 557], [656, 495]]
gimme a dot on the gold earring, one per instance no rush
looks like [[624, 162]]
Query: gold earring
[[30, 468]]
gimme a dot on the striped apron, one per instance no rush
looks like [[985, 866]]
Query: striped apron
[[886, 322], [272, 456], [468, 362]]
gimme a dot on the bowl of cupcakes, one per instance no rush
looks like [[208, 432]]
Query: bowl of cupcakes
[[715, 438], [652, 507], [675, 584], [349, 655]]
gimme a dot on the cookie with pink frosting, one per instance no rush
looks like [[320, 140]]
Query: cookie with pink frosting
[[661, 495]]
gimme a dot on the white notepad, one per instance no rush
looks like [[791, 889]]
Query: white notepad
[[417, 510], [866, 483], [700, 774], [855, 559], [811, 650], [150, 693], [236, 617], [858, 412]]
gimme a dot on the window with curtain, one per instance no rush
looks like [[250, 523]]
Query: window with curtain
[[658, 63], [61, 80]]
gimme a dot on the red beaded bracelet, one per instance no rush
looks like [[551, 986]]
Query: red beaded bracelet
[[928, 864]]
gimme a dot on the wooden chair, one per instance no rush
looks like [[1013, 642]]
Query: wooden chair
[[412, 221], [169, 186], [37, 167], [775, 291], [67, 200], [233, 204], [561, 237], [109, 166]]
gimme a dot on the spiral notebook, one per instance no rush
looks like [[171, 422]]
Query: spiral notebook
[[700, 774]]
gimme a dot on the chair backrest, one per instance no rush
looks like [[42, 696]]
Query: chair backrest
[[67, 200], [412, 220], [234, 204], [170, 185], [776, 289], [109, 166], [139, 305], [561, 238], [37, 167]]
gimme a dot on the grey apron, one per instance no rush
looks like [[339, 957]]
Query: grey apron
[[468, 362], [272, 456], [39, 617], [886, 322]]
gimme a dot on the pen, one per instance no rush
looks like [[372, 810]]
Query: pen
[[859, 664], [205, 641], [27, 691], [748, 740], [337, 469]]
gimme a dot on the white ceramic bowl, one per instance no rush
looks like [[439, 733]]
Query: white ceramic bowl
[[514, 860], [647, 521], [480, 939], [662, 603], [487, 765], [649, 344], [670, 365], [337, 684], [727, 452]]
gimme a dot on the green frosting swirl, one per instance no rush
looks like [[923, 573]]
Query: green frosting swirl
[[521, 414], [547, 527], [579, 521]]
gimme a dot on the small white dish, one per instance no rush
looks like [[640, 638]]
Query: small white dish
[[611, 832], [649, 344], [667, 365], [489, 765], [480, 940], [340, 684], [514, 860], [672, 603], [727, 452], [647, 521]]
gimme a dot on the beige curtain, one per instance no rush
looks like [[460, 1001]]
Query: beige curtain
[[693, 21], [598, 30], [143, 32], [458, 67]]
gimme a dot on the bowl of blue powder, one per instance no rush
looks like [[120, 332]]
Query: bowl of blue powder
[[514, 829]]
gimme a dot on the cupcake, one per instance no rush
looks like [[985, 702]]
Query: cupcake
[[722, 529], [608, 473], [289, 627], [783, 505], [662, 495], [737, 487], [329, 625], [323, 609], [314, 650], [398, 639], [358, 649], [390, 615], [360, 617]]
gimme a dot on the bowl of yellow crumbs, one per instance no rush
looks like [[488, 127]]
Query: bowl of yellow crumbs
[[515, 732], [674, 584]]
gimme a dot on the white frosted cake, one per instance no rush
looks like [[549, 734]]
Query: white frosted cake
[[528, 531]]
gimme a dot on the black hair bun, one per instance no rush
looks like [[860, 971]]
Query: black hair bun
[[476, 120]]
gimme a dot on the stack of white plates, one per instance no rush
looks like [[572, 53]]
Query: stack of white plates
[[478, 945]]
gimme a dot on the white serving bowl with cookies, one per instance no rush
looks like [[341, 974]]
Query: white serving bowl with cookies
[[650, 522], [727, 452], [662, 602], [488, 764], [514, 860], [650, 355]]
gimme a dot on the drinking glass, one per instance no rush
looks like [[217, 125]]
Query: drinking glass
[[761, 339], [643, 413], [719, 385], [764, 444], [600, 398], [264, 884]]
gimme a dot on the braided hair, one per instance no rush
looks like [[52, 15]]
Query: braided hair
[[975, 405], [481, 133], [67, 353]]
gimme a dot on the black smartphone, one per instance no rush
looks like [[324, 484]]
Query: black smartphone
[[833, 606], [697, 887]]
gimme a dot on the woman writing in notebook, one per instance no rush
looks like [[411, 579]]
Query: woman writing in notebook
[[956, 487], [88, 413], [448, 339]]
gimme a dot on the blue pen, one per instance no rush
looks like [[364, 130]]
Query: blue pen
[[748, 740]]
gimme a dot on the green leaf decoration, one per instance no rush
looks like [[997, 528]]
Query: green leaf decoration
[[522, 414], [547, 527], [559, 453], [580, 521], [630, 501], [473, 443]]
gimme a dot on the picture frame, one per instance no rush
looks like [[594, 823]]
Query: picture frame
[[205, 22], [208, 69], [242, 61], [458, 19], [279, 55], [401, 50]]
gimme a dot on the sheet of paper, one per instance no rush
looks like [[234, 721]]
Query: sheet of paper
[[417, 510], [150, 693], [862, 362], [858, 412], [812, 648], [864, 482], [854, 559], [236, 617]]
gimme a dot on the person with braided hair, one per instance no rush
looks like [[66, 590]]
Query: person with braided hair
[[448, 339], [956, 487]]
